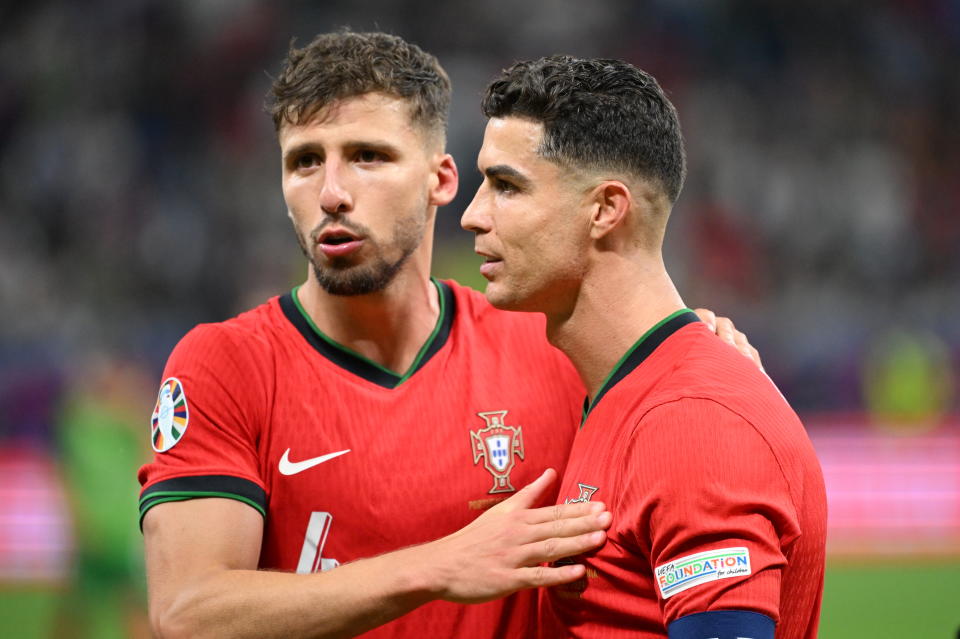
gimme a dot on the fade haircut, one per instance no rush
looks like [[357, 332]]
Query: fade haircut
[[341, 65], [597, 114]]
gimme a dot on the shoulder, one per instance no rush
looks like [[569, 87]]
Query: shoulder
[[716, 410], [696, 453], [237, 353], [518, 340], [699, 428], [225, 371], [475, 311], [246, 334], [704, 372]]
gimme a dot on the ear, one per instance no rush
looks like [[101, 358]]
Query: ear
[[610, 204], [444, 188]]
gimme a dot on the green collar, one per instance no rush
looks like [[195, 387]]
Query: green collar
[[356, 363]]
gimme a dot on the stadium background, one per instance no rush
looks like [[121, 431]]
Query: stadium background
[[139, 195]]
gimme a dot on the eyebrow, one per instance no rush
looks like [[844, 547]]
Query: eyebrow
[[375, 145], [310, 146], [505, 170]]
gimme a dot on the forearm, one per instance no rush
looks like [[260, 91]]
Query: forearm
[[344, 602], [201, 555]]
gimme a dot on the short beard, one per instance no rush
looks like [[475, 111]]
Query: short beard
[[345, 280], [358, 280]]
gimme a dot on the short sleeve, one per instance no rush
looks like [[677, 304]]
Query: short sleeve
[[710, 508], [206, 423]]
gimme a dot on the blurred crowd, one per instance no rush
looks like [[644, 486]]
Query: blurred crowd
[[140, 193], [140, 180]]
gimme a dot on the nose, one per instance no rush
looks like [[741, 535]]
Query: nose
[[335, 198], [475, 218]]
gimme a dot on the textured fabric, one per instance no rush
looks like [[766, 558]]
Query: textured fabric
[[695, 450], [256, 387], [723, 624]]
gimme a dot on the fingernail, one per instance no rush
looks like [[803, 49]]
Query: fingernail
[[597, 507]]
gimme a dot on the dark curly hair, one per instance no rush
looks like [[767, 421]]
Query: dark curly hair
[[345, 64], [597, 114]]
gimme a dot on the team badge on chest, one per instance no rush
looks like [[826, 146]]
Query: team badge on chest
[[497, 444]]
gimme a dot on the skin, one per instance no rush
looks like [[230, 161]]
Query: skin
[[362, 166], [582, 248], [527, 267], [606, 229], [359, 166], [202, 578]]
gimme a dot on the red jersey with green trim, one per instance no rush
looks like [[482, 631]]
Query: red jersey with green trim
[[348, 460], [717, 496]]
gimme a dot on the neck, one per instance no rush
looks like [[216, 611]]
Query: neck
[[388, 327], [619, 300]]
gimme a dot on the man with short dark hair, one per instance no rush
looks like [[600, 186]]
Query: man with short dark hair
[[718, 502], [370, 409]]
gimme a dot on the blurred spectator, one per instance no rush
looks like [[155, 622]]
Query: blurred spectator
[[139, 177], [101, 434]]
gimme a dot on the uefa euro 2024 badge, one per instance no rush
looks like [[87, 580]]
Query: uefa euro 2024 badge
[[170, 416], [497, 444]]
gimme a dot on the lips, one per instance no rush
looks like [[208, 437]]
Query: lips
[[336, 236], [491, 264], [338, 242]]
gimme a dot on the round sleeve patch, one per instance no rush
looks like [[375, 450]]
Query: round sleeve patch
[[170, 416]]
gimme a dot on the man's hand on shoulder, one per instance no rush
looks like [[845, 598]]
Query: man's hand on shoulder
[[725, 330]]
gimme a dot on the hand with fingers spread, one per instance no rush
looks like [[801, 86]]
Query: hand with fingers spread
[[725, 330], [503, 550], [499, 553]]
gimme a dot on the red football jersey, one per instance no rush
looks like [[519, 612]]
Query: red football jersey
[[717, 496], [346, 459]]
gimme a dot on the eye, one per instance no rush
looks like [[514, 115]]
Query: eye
[[503, 186], [307, 161], [369, 156]]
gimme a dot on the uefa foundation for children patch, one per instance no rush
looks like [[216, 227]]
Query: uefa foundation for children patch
[[700, 568], [170, 416]]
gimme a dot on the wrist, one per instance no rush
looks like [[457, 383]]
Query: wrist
[[418, 576]]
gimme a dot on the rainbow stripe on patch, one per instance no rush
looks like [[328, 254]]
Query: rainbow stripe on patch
[[170, 416], [693, 570]]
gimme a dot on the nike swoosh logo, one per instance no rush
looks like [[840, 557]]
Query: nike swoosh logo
[[288, 467]]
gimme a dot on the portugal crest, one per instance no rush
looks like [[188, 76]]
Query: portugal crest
[[170, 416], [497, 443]]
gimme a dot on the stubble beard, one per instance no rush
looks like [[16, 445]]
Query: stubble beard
[[342, 277], [360, 279]]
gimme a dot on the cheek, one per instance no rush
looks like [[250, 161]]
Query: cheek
[[555, 248], [294, 198], [534, 235], [295, 213]]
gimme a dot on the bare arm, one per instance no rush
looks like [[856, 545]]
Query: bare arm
[[202, 556]]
